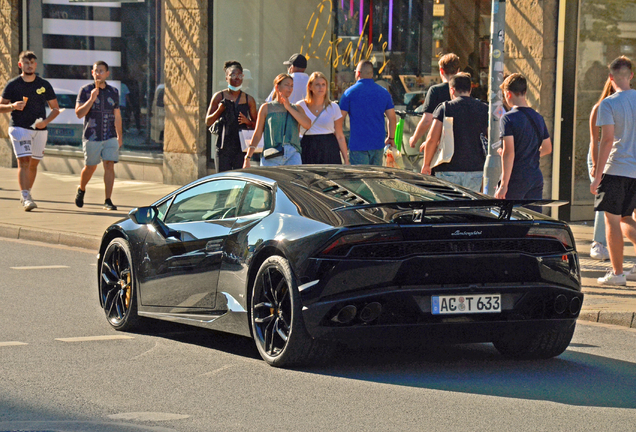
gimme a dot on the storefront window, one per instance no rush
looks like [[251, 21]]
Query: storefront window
[[606, 30], [68, 37], [403, 38]]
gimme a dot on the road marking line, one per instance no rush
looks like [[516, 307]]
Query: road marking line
[[215, 371], [3, 344], [39, 267], [93, 338]]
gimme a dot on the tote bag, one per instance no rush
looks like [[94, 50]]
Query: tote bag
[[446, 147], [246, 139]]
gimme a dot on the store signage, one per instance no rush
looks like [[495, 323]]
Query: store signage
[[338, 52]]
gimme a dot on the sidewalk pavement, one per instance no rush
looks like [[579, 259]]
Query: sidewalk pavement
[[57, 220]]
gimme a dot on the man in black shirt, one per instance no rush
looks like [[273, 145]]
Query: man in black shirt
[[470, 121], [448, 67], [26, 97]]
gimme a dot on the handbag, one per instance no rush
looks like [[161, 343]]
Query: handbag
[[246, 139], [446, 147], [229, 117], [272, 152]]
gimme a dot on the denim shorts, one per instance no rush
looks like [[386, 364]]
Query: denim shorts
[[105, 150]]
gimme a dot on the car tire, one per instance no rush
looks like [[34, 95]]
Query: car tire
[[117, 286], [276, 318], [536, 345]]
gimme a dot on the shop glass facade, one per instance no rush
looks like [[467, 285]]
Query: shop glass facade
[[403, 38], [606, 30], [68, 37]]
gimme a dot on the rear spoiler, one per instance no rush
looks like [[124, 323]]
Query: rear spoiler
[[505, 206]]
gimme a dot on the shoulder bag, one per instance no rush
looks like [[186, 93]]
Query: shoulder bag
[[534, 126]]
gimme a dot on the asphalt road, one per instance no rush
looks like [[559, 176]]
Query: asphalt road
[[62, 368]]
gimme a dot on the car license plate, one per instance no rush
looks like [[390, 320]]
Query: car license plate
[[464, 304]]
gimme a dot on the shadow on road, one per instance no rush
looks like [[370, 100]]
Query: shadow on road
[[574, 378]]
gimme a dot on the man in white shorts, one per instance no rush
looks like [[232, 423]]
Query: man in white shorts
[[98, 104], [26, 97]]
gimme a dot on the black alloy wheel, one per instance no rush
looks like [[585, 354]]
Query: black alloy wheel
[[277, 325], [117, 286]]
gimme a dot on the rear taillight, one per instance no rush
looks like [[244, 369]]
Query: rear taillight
[[341, 245], [559, 234]]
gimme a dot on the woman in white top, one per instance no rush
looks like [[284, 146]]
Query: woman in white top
[[324, 141]]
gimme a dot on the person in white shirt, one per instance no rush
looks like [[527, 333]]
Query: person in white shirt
[[324, 142], [296, 66]]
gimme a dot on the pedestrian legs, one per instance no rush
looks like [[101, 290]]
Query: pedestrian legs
[[109, 177], [27, 170], [85, 176], [615, 242]]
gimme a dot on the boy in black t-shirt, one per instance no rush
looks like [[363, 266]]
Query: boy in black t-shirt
[[437, 94], [470, 115], [26, 97]]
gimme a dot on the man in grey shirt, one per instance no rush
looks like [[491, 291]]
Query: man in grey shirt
[[614, 168]]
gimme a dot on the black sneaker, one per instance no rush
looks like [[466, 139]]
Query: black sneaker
[[108, 205], [79, 197]]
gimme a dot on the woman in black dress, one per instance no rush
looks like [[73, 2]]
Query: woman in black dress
[[324, 141], [238, 111]]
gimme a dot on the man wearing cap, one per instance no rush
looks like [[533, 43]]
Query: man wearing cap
[[296, 68]]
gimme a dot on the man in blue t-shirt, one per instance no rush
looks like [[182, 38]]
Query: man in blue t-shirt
[[98, 104], [614, 168], [525, 139], [367, 103]]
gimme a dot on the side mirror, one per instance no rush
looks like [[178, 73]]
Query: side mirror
[[143, 215]]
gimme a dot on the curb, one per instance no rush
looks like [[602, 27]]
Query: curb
[[46, 236], [623, 319]]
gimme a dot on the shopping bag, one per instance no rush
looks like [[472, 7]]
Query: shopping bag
[[446, 147], [399, 128], [392, 157], [246, 139]]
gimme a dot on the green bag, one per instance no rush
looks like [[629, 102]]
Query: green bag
[[398, 134]]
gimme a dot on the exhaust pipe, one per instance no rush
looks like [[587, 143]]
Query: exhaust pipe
[[345, 315], [370, 312], [560, 304], [575, 305]]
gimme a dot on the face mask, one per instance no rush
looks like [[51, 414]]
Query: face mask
[[231, 87]]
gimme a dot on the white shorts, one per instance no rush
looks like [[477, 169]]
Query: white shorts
[[27, 142]]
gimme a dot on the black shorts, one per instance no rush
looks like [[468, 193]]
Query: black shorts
[[616, 195]]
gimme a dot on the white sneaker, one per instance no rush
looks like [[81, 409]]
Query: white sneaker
[[599, 252], [630, 274], [29, 204], [611, 279]]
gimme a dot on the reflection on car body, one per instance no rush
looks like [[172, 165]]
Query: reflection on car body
[[310, 256]]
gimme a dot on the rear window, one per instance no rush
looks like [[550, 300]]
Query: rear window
[[382, 190]]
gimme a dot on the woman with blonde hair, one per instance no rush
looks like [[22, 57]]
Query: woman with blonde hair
[[278, 123], [324, 141], [599, 243]]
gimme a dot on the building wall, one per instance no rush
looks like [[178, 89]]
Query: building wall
[[530, 49], [9, 50]]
